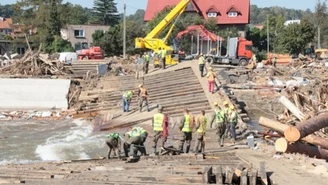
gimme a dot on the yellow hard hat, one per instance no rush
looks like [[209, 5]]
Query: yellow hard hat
[[232, 107], [225, 103], [210, 68], [201, 54], [140, 85], [215, 103]]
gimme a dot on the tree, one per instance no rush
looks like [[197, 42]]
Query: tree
[[6, 10], [74, 14], [297, 36], [320, 17], [55, 24], [106, 12]]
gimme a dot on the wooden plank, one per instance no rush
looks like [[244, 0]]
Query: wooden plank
[[243, 178], [207, 175], [218, 175], [253, 177], [11, 181], [239, 169], [263, 174], [229, 175]]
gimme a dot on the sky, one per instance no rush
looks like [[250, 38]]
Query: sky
[[133, 5]]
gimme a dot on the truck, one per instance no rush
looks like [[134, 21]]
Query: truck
[[239, 52], [92, 53]]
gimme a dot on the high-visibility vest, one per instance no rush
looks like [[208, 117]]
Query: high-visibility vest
[[127, 95], [163, 53], [203, 123], [158, 122], [186, 125], [146, 58], [219, 117], [234, 117], [201, 60], [211, 76], [226, 110], [113, 135], [143, 92]]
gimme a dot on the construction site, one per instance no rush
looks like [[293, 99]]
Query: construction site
[[56, 118]]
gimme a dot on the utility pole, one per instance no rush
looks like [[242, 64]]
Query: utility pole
[[319, 43], [268, 36], [124, 30]]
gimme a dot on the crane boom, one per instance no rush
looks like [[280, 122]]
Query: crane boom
[[151, 41]]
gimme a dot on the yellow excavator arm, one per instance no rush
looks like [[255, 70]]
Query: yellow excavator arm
[[151, 41]]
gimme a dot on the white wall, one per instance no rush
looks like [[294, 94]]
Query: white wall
[[41, 94]]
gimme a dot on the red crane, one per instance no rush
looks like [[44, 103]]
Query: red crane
[[203, 33]]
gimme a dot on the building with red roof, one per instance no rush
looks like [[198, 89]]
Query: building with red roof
[[229, 13]]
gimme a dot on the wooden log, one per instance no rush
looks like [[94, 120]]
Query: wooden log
[[229, 175], [243, 178], [307, 127], [263, 174], [253, 177], [279, 127], [207, 175], [290, 106], [282, 145], [218, 175]]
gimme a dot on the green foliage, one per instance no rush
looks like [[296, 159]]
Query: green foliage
[[7, 37], [105, 12], [60, 45], [297, 36], [55, 24], [137, 17], [320, 20], [74, 14], [6, 10], [259, 15]]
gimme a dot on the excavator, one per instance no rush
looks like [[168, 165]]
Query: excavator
[[151, 41]]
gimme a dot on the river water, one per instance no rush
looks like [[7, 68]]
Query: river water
[[32, 141]]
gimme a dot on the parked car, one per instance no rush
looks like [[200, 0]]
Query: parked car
[[67, 57]]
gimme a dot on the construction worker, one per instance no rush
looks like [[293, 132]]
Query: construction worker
[[127, 98], [201, 124], [211, 80], [226, 111], [146, 60], [113, 143], [219, 118], [163, 57], [233, 120], [160, 127], [186, 126], [143, 97], [201, 64], [135, 139], [274, 62]]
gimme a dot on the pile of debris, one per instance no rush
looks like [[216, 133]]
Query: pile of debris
[[34, 64], [33, 115]]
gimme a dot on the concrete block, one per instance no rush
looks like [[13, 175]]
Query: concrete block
[[41, 94]]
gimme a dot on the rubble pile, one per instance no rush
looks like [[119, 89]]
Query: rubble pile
[[34, 64]]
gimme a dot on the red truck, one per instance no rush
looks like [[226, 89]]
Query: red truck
[[92, 53], [239, 52]]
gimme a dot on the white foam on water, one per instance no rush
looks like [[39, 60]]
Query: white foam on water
[[70, 144]]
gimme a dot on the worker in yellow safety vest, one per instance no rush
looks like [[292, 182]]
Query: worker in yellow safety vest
[[226, 111], [114, 143], [201, 64], [143, 97], [146, 60], [127, 98], [211, 80], [160, 128], [201, 125], [233, 120], [186, 127], [135, 138], [163, 57], [219, 118]]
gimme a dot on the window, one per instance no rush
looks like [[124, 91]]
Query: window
[[211, 14], [249, 47], [84, 45], [79, 33], [232, 14]]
